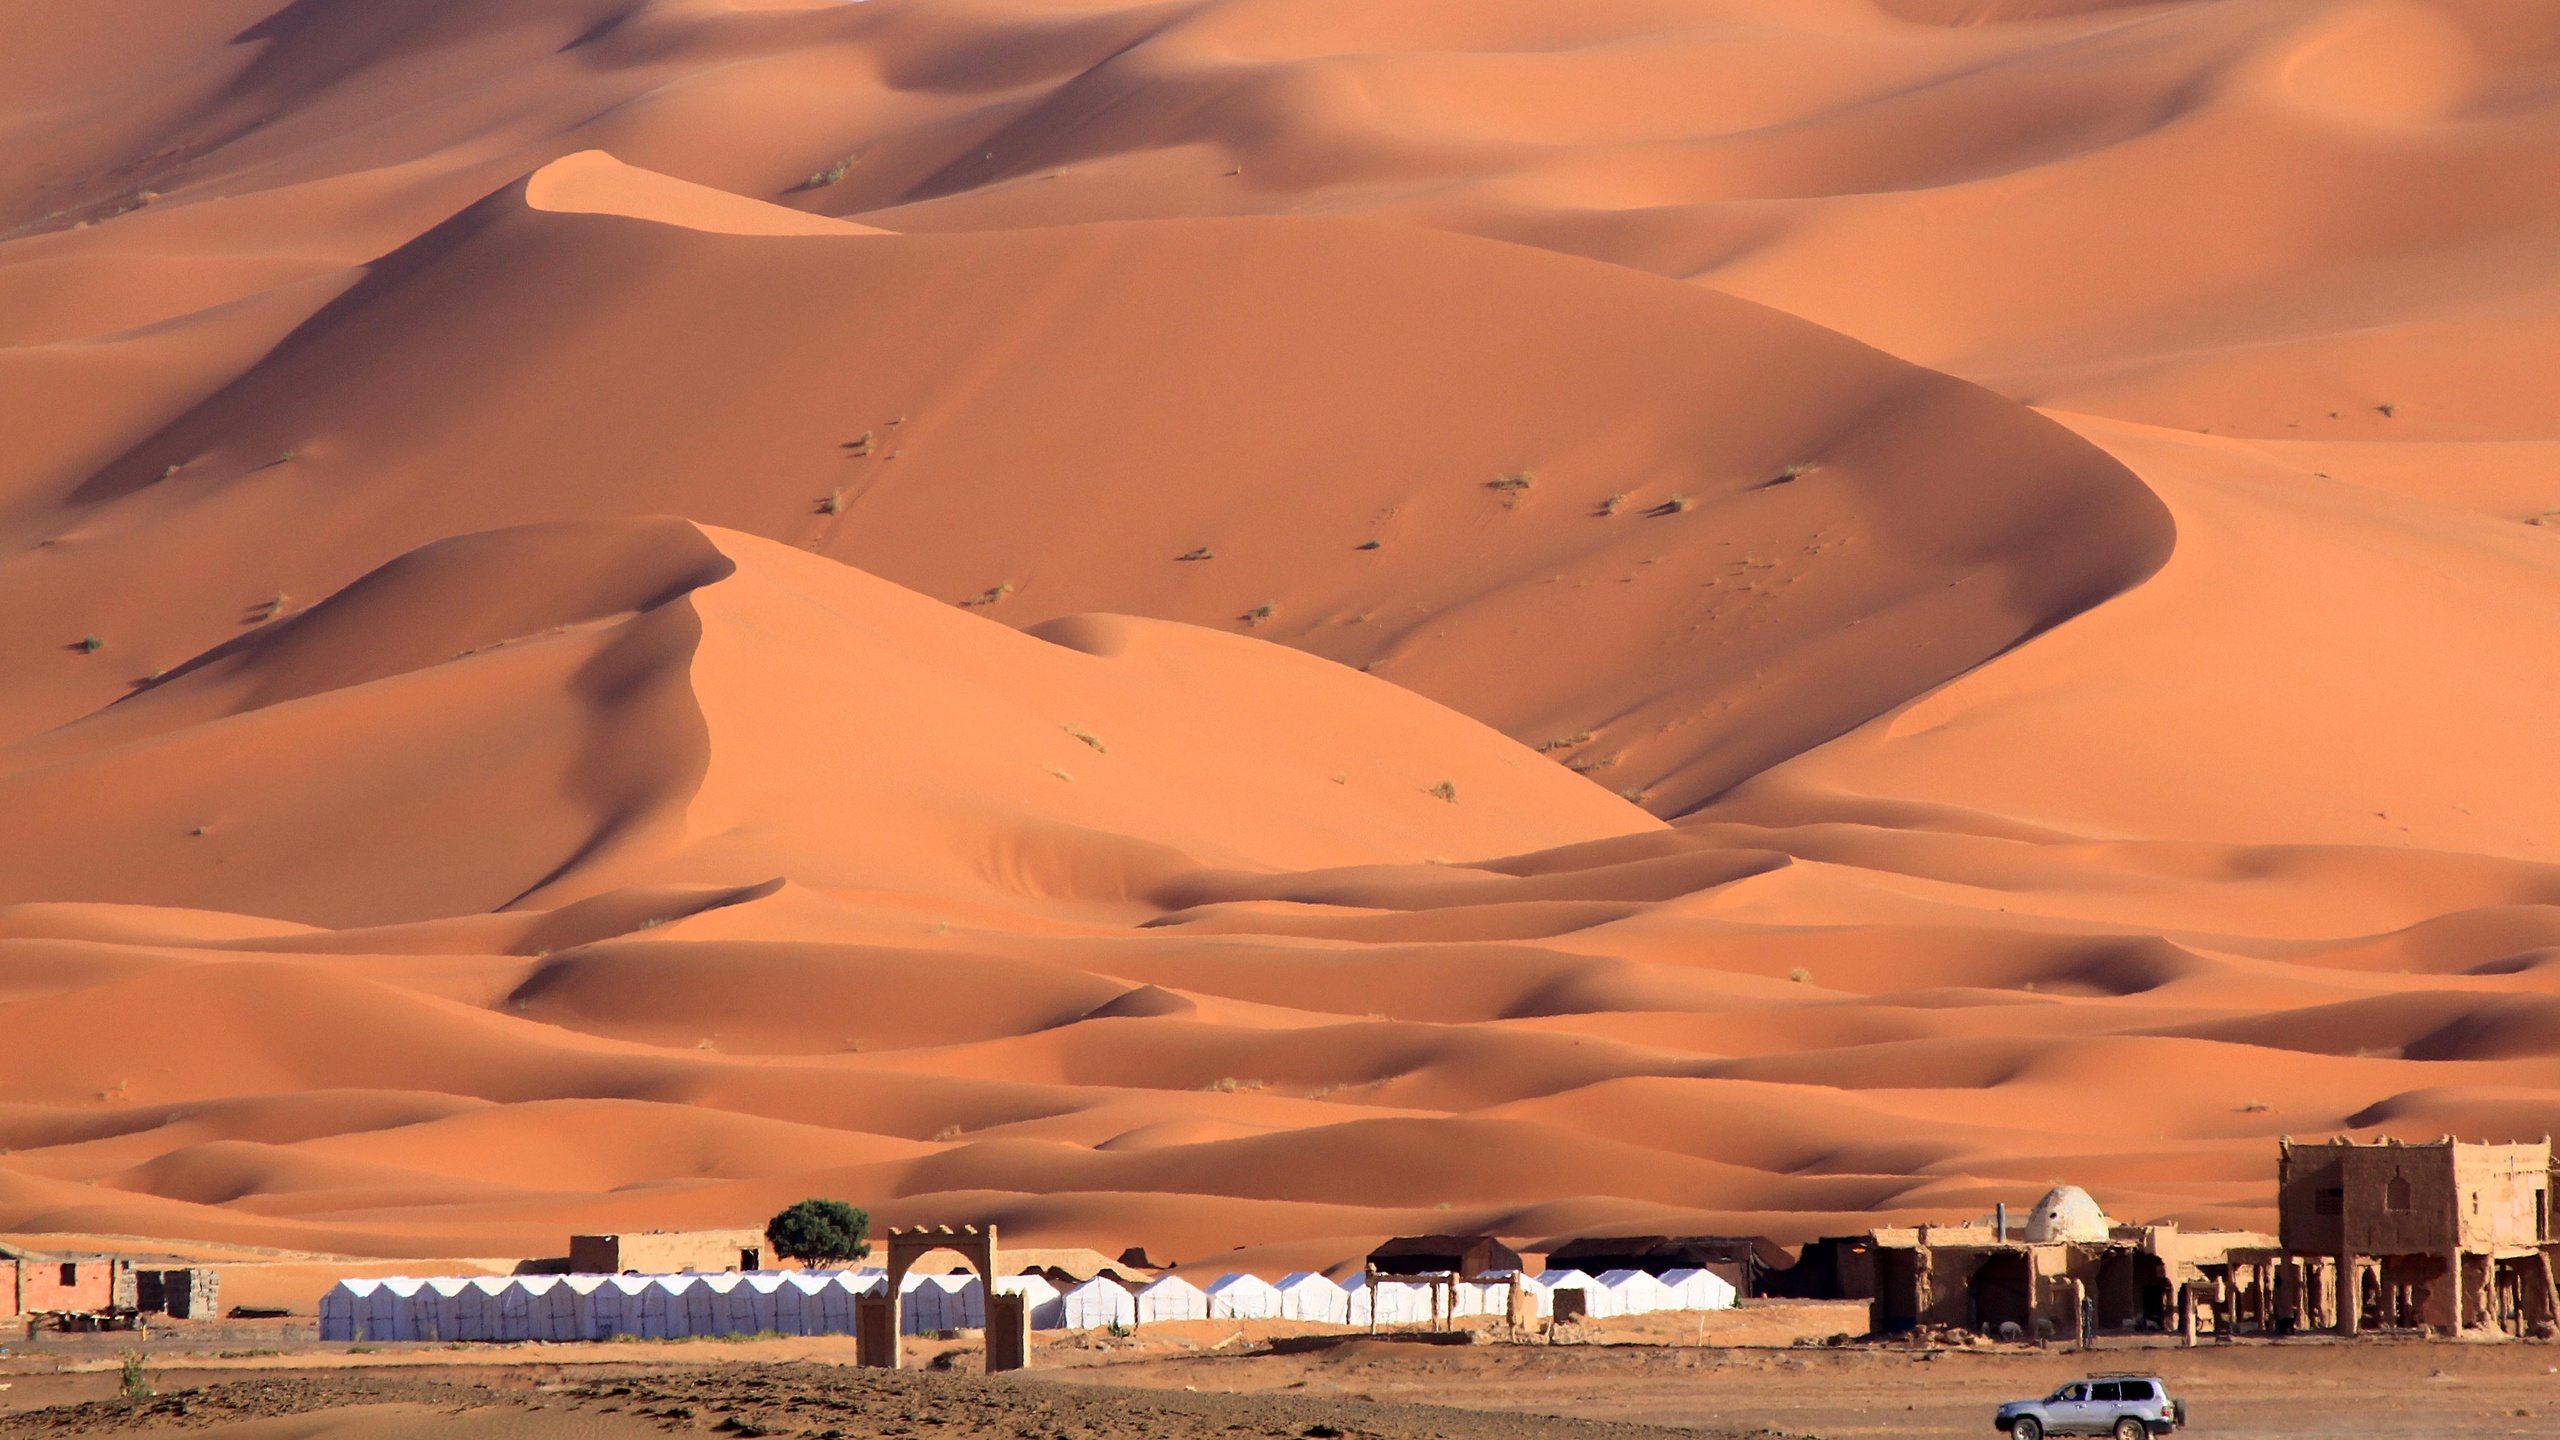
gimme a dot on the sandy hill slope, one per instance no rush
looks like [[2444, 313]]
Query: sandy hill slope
[[1227, 625], [1729, 534]]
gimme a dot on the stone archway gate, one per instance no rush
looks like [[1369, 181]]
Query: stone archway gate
[[882, 1321]]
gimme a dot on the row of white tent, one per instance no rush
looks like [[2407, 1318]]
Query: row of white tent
[[820, 1302]]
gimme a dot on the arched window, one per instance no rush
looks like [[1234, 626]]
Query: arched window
[[2395, 1196]]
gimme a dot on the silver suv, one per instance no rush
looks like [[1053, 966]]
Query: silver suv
[[2126, 1407]]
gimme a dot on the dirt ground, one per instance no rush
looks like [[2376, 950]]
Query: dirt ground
[[1223, 1381]]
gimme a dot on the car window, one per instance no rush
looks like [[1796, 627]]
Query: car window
[[2071, 1392], [2106, 1390], [2137, 1389]]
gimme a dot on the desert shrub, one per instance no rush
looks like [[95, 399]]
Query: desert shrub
[[820, 1233]]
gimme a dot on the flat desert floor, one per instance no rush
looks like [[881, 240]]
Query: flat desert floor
[[1367, 1389]]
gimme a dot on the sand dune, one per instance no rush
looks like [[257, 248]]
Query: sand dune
[[1270, 623]]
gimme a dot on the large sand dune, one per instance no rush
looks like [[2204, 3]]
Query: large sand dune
[[1243, 626]]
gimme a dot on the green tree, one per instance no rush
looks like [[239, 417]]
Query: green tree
[[820, 1233]]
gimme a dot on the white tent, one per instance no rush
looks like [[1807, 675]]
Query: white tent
[[1306, 1295], [613, 1307], [565, 1310], [1603, 1300], [1700, 1289], [1398, 1302], [968, 1299], [1171, 1297], [1638, 1292], [597, 1307], [941, 1302], [662, 1308], [755, 1305], [1047, 1309], [1493, 1296], [343, 1307], [1097, 1302], [702, 1302], [521, 1301], [390, 1310], [1243, 1297], [474, 1310], [822, 1300]]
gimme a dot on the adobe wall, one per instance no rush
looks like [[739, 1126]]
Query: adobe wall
[[666, 1252], [2426, 1199], [2505, 1195], [94, 1286]]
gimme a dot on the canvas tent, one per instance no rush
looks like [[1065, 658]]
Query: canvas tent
[[1396, 1302], [667, 1307], [1095, 1303], [1639, 1293], [1602, 1300], [1306, 1295], [1243, 1297], [1047, 1311], [1700, 1290], [1171, 1298]]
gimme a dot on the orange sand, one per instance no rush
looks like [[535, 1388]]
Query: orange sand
[[1245, 627]]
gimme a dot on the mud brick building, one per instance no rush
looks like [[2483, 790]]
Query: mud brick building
[[34, 1283], [1464, 1255], [2444, 1235], [192, 1292], [2065, 1264], [666, 1252]]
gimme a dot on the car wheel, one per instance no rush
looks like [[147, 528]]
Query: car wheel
[[2027, 1428], [2129, 1428]]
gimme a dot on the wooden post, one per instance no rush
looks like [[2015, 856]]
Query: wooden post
[[1373, 1299], [2350, 1295], [2187, 1314], [1523, 1311]]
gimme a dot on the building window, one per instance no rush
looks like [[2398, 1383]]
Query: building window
[[70, 1273], [2395, 1196], [2329, 1202]]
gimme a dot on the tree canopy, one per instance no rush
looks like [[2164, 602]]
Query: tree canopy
[[820, 1233]]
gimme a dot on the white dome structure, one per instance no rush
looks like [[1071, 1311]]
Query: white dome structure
[[2066, 1213]]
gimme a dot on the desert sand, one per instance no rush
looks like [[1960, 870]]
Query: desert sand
[[1617, 1389], [1246, 626]]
